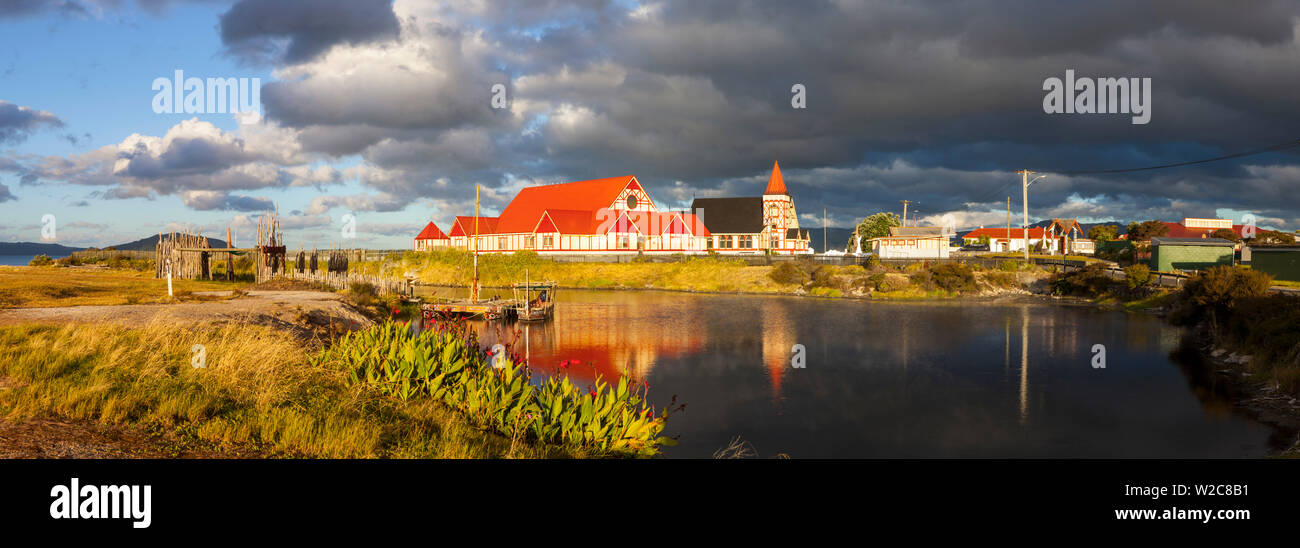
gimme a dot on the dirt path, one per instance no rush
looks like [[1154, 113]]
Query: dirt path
[[58, 439], [300, 311]]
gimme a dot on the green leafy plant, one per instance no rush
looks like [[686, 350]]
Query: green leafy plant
[[445, 363]]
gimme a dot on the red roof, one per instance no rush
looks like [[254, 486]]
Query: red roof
[[523, 212], [1177, 230], [431, 232], [775, 182], [464, 225], [996, 233]]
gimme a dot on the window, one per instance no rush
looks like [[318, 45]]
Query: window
[[529, 241], [631, 201], [624, 242], [710, 243], [501, 242], [548, 242], [724, 242]]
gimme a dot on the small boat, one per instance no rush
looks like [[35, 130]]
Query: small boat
[[530, 308]]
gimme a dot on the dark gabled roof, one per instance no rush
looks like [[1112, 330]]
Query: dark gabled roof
[[730, 215], [796, 234], [1192, 241]]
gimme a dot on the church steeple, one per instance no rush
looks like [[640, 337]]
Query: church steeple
[[776, 183]]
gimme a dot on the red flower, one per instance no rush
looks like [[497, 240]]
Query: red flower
[[593, 393]]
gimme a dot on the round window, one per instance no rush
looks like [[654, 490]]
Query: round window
[[631, 201]]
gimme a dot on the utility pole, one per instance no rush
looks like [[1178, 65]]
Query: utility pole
[[905, 202], [824, 248], [1024, 189], [1008, 223]]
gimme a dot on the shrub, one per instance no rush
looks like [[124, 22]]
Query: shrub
[[1009, 265], [1089, 281], [445, 363], [1221, 287], [824, 276], [955, 277], [1002, 279], [41, 260], [1137, 276], [788, 273], [922, 278]]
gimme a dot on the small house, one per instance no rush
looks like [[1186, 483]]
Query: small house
[[1170, 254], [431, 238], [913, 242]]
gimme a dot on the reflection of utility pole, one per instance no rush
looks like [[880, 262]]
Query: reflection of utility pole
[[905, 202], [1024, 364]]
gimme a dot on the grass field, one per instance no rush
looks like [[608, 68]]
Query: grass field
[[46, 286], [256, 390], [692, 274]]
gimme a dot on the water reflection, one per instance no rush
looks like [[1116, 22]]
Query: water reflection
[[891, 379]]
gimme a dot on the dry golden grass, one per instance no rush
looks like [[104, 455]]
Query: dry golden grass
[[48, 286], [257, 389], [705, 274]]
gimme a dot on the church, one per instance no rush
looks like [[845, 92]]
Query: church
[[754, 225], [600, 216], [617, 216]]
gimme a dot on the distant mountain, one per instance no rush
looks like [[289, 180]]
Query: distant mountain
[[34, 248], [835, 237], [1120, 228], [150, 243]]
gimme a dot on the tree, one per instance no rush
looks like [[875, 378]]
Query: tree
[[1272, 237], [1226, 234], [984, 240], [1103, 233], [875, 226], [1139, 232]]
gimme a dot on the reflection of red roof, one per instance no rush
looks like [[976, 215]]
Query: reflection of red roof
[[431, 232], [995, 233], [524, 211], [775, 182], [464, 225]]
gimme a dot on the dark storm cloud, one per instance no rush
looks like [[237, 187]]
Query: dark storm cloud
[[5, 195], [18, 122], [209, 200], [257, 28]]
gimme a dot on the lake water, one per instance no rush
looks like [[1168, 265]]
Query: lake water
[[20, 260], [929, 380]]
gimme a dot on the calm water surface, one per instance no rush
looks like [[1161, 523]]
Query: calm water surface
[[963, 379]]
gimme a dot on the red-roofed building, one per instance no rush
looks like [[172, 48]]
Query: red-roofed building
[[431, 238], [609, 215], [999, 240]]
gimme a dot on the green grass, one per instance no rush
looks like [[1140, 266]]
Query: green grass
[[258, 390]]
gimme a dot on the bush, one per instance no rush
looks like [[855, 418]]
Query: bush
[[444, 363], [922, 278], [41, 260], [1137, 276], [1221, 287], [955, 277], [1089, 281], [788, 273], [824, 276], [1009, 265]]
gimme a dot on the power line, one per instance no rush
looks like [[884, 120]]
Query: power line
[[1272, 148]]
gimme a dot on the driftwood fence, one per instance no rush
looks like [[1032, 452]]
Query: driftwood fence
[[344, 280]]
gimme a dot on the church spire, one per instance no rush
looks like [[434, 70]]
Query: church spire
[[775, 183]]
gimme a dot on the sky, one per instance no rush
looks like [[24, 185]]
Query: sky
[[384, 112]]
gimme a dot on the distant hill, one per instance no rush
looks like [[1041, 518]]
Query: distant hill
[[35, 248], [835, 237], [150, 243]]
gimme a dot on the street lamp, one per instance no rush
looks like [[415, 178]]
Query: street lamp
[[1024, 189]]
